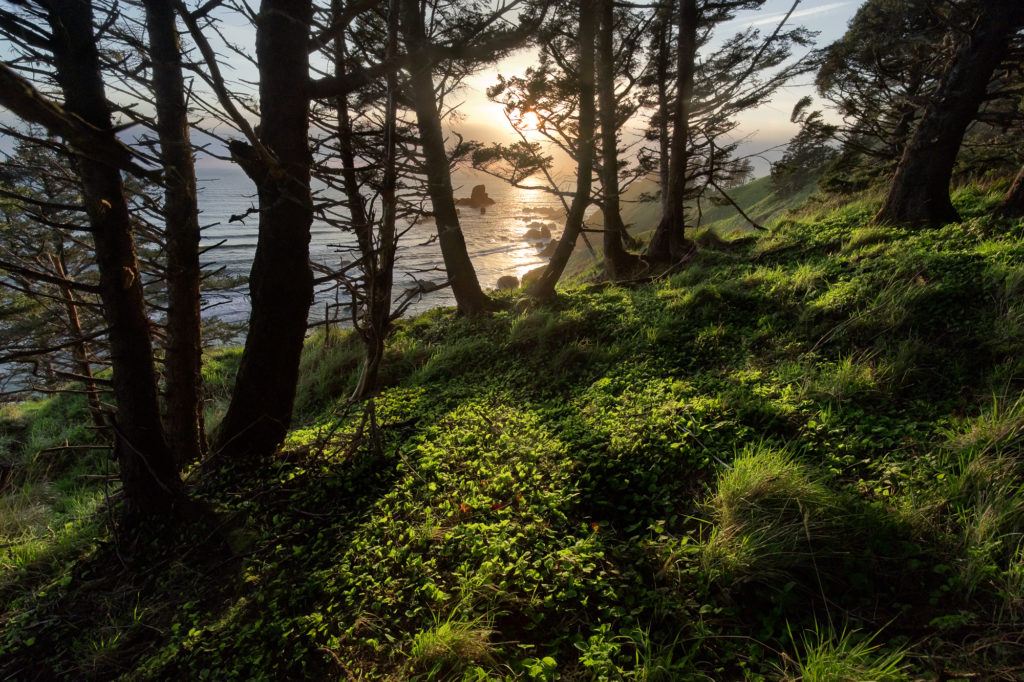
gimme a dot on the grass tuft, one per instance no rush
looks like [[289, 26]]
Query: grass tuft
[[451, 645], [770, 513], [828, 656]]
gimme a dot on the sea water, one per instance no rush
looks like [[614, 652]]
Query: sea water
[[494, 240]]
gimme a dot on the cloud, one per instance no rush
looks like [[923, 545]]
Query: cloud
[[798, 14]]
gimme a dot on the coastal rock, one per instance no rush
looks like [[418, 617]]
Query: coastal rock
[[546, 211], [533, 275], [507, 282], [549, 249], [478, 199], [537, 231]]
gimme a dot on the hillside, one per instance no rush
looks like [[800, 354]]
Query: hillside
[[800, 457], [758, 199]]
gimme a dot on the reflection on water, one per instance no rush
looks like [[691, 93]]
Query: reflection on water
[[494, 239]]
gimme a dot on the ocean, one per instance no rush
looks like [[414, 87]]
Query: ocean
[[494, 240]]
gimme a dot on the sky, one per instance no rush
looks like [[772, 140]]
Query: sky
[[764, 128], [761, 129]]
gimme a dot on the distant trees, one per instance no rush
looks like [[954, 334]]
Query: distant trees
[[808, 153], [919, 193]]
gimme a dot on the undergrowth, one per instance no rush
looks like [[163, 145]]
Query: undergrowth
[[800, 457]]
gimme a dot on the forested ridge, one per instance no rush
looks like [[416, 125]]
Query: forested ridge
[[766, 429]]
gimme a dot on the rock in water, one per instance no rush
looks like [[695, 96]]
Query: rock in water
[[537, 231], [478, 199], [549, 249], [507, 282]]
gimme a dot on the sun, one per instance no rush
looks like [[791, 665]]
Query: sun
[[529, 124]]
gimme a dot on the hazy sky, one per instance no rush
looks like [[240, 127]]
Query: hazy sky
[[764, 128]]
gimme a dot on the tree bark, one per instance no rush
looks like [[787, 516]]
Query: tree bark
[[544, 287], [281, 281], [1013, 202], [183, 364], [618, 262], [669, 243], [469, 297], [148, 471], [919, 193]]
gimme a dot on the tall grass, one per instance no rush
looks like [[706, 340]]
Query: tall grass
[[771, 512], [845, 656]]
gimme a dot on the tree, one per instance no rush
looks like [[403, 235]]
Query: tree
[[704, 99], [278, 161], [669, 243], [366, 143], [544, 286], [184, 389], [807, 153], [881, 75], [147, 467], [472, 41], [919, 193], [617, 261]]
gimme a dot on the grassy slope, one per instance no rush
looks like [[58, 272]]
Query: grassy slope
[[800, 457], [757, 198]]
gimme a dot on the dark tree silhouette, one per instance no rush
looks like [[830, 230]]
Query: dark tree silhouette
[[919, 194]]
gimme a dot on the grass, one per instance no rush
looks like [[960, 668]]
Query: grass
[[846, 656], [771, 514], [450, 646], [656, 481]]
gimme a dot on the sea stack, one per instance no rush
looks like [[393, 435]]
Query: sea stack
[[478, 198]]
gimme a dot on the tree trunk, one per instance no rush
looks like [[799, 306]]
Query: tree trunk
[[183, 365], [148, 470], [469, 297], [669, 243], [80, 351], [919, 194], [1013, 202], [661, 65], [618, 263], [544, 287], [379, 259], [281, 281]]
